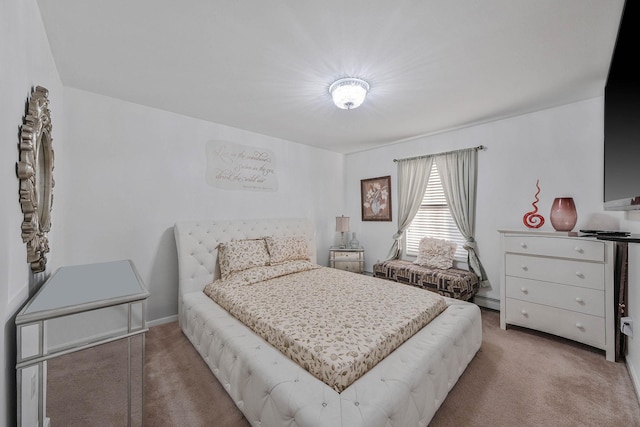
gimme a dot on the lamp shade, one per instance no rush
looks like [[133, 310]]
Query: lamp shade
[[342, 224], [348, 93]]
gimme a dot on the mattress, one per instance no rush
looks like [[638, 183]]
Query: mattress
[[335, 324]]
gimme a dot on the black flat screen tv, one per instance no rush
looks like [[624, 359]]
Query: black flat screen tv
[[622, 117]]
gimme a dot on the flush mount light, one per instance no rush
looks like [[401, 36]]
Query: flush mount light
[[348, 93]]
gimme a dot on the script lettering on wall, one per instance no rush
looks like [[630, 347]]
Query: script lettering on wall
[[234, 166]]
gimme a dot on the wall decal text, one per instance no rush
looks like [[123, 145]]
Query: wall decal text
[[233, 166]]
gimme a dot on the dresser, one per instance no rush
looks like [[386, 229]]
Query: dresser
[[559, 284], [347, 259], [77, 309]]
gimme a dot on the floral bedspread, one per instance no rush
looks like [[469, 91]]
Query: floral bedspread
[[335, 324]]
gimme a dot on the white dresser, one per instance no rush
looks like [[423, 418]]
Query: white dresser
[[559, 284]]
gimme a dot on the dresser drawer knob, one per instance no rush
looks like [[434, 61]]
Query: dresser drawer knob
[[579, 274], [523, 245], [579, 300], [524, 267], [579, 250], [524, 312], [524, 290], [579, 325]]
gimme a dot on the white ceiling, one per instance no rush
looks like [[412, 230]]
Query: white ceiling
[[266, 65]]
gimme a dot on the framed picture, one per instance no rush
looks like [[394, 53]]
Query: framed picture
[[376, 198]]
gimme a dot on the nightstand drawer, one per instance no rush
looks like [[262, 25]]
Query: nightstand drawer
[[348, 255], [556, 247], [569, 324], [355, 266], [576, 273], [583, 300]]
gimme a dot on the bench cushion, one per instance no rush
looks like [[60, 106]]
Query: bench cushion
[[452, 282]]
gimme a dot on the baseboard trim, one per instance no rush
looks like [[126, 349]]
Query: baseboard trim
[[487, 302], [634, 378], [162, 321]]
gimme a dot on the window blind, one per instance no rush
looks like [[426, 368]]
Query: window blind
[[434, 220]]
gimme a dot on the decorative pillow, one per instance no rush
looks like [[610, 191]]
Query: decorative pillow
[[239, 255], [267, 272], [282, 249], [436, 253]]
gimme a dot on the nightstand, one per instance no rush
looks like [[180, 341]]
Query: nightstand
[[347, 259]]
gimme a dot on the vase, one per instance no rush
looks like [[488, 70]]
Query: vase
[[563, 214], [354, 244]]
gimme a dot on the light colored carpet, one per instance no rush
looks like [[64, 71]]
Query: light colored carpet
[[89, 387], [518, 378], [526, 378]]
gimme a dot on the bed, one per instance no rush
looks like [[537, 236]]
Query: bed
[[405, 388]]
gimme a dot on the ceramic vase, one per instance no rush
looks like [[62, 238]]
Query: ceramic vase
[[563, 214]]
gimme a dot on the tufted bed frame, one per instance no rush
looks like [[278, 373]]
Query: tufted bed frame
[[404, 389]]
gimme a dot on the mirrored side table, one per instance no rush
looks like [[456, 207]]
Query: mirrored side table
[[348, 259], [76, 309]]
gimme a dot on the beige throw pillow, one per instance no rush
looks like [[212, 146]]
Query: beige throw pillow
[[436, 253], [239, 255], [283, 249]]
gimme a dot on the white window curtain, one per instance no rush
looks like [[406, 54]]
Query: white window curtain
[[413, 177], [458, 174]]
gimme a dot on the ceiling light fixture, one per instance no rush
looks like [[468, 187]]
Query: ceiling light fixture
[[348, 93]]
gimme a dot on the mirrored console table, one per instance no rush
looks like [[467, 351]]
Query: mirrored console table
[[78, 309]]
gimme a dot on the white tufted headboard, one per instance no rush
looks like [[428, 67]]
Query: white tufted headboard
[[197, 243]]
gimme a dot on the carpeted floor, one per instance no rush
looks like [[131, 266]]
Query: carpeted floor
[[89, 387], [518, 378], [526, 378]]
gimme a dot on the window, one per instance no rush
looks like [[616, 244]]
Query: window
[[434, 220]]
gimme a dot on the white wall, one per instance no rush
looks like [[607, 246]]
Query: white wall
[[25, 62], [562, 147], [134, 171], [631, 223]]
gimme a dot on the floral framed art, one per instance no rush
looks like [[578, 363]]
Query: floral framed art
[[376, 198]]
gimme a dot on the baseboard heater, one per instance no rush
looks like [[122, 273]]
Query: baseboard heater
[[487, 302]]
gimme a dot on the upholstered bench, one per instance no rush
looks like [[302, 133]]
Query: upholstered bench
[[452, 282]]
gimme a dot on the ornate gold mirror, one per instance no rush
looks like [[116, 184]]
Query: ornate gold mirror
[[35, 171]]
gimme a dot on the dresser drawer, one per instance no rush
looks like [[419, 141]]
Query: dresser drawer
[[353, 266], [583, 300], [569, 324], [348, 255], [581, 249], [569, 272]]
